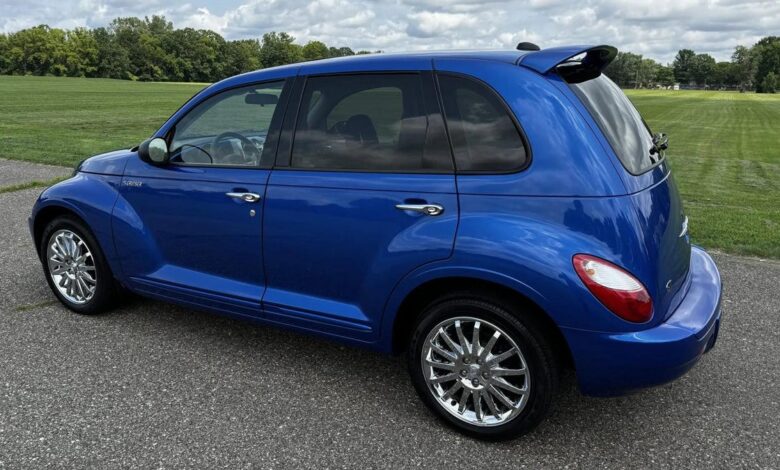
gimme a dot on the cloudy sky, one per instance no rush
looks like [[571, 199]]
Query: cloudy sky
[[656, 28]]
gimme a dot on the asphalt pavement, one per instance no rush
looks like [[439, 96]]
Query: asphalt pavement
[[155, 385]]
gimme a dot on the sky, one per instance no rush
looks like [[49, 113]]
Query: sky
[[656, 29]]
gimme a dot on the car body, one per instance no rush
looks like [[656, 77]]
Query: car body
[[333, 248]]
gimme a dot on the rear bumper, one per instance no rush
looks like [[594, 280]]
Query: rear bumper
[[616, 363]]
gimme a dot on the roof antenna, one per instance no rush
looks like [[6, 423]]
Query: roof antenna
[[527, 46]]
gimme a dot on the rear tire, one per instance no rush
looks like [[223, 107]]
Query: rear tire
[[502, 403], [75, 267]]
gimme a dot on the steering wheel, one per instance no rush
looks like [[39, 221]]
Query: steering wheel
[[245, 143]]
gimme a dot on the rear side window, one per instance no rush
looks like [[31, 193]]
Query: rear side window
[[484, 137], [626, 131], [372, 122]]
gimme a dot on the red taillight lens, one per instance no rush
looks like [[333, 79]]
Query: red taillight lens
[[618, 290]]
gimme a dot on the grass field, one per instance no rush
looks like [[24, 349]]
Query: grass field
[[724, 147], [62, 120], [724, 150]]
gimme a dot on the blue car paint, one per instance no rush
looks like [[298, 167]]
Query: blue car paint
[[328, 276], [291, 264], [192, 236], [613, 363]]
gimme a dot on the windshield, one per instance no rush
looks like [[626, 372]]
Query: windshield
[[624, 128]]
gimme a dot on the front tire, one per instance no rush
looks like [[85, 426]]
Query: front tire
[[485, 368], [75, 267]]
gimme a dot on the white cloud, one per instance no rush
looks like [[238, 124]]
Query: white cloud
[[656, 28], [204, 19], [431, 24]]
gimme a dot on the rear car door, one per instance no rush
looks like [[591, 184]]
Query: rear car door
[[362, 194], [191, 230]]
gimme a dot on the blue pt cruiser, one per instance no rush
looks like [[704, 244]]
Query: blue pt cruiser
[[496, 216]]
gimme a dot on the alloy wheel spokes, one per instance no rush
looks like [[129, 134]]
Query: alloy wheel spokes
[[476, 371], [71, 266]]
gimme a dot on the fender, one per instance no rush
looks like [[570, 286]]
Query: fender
[[91, 197], [442, 270]]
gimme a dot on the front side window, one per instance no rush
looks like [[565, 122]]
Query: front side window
[[372, 122], [484, 137], [229, 128]]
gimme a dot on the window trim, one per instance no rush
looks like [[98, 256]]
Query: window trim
[[284, 156], [284, 96], [507, 109]]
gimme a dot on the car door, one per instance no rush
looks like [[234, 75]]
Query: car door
[[363, 193], [191, 230]]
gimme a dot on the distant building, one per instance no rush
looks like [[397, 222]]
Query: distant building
[[676, 87]]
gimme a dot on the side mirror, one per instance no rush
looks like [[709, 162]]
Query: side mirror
[[154, 151]]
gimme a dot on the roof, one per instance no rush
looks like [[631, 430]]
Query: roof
[[540, 61], [510, 56]]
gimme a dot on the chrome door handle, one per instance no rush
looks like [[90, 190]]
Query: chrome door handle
[[427, 209], [246, 197]]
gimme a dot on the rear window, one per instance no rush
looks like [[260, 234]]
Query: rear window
[[624, 128]]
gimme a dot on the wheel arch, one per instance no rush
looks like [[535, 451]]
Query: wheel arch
[[424, 293], [46, 214]]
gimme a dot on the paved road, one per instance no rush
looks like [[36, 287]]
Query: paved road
[[153, 385]]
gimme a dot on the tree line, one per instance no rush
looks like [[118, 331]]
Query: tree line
[[150, 49], [750, 68]]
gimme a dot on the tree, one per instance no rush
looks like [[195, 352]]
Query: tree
[[241, 56], [340, 52], [683, 65], [112, 59], [143, 39], [664, 75], [723, 74], [81, 53], [39, 50], [4, 60], [769, 84], [766, 54], [632, 70], [279, 49], [315, 50], [623, 69], [703, 68], [648, 69], [744, 67], [149, 48], [193, 55]]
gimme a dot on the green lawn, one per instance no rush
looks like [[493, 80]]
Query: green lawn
[[62, 120], [724, 147], [724, 150]]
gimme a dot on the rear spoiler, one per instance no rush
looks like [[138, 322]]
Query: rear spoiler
[[596, 57]]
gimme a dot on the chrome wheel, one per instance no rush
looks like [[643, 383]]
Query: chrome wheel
[[71, 266], [475, 371]]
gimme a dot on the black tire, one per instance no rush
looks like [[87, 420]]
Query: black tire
[[536, 348], [106, 291]]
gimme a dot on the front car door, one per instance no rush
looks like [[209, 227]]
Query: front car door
[[191, 230], [364, 194]]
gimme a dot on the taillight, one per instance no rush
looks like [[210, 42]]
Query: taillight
[[618, 290]]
